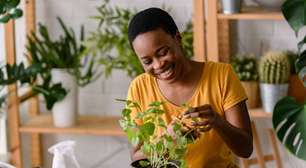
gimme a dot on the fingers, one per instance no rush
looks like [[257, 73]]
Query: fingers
[[202, 113]]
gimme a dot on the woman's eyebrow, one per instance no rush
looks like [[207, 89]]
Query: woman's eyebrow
[[160, 48]]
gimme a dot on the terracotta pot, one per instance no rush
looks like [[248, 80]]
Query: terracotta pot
[[296, 88], [252, 90]]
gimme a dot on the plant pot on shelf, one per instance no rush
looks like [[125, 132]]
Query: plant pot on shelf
[[65, 111], [252, 90], [271, 93], [231, 6], [296, 88]]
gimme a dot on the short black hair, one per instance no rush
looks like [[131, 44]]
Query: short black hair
[[151, 19]]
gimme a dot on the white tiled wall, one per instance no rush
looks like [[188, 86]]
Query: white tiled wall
[[99, 98]]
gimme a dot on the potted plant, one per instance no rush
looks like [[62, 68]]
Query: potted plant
[[62, 62], [289, 115], [46, 55], [274, 70], [296, 88], [150, 130], [111, 45], [246, 70]]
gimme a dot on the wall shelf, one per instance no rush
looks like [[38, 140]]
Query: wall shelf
[[89, 125], [253, 13], [259, 113]]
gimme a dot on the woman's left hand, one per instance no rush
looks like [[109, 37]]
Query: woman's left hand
[[204, 118]]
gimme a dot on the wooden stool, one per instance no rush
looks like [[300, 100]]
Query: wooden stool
[[261, 159]]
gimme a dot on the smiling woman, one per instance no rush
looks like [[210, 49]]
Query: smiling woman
[[212, 90]]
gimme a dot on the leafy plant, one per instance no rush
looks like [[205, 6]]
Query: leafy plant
[[64, 53], [274, 68], [163, 149], [245, 67], [47, 54], [9, 10], [111, 44], [289, 117]]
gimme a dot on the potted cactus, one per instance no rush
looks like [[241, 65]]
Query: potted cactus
[[246, 69], [274, 70]]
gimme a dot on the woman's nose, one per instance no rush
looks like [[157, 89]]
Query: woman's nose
[[157, 64]]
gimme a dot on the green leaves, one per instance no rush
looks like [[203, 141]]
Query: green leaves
[[245, 68], [160, 147], [289, 122], [110, 44], [294, 12], [9, 10], [65, 52]]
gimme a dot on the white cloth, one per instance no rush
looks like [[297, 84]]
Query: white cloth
[[5, 165], [64, 156]]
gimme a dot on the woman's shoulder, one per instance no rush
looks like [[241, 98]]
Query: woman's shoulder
[[142, 79], [217, 67]]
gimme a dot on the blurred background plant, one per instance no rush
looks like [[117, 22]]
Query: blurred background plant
[[47, 54], [9, 10], [245, 67], [111, 45]]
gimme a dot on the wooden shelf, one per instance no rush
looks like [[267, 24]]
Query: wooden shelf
[[90, 125], [253, 14], [259, 113]]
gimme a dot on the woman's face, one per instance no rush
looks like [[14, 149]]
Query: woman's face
[[161, 54]]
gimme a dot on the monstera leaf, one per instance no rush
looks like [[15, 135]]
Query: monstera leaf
[[289, 121], [294, 13]]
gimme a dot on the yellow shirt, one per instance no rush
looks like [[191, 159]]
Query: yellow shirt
[[219, 87]]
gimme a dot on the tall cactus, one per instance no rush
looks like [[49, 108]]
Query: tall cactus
[[274, 68]]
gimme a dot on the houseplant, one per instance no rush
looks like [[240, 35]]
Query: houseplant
[[246, 69], [148, 128], [63, 62], [46, 55], [274, 70], [296, 88], [289, 116], [9, 10], [111, 45]]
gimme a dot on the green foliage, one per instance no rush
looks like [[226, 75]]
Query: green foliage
[[292, 56], [289, 122], [10, 74], [294, 12], [64, 53], [9, 10], [245, 67], [110, 42], [289, 117], [274, 68], [162, 149], [47, 54]]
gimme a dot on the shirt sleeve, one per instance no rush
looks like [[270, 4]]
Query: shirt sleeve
[[233, 92]]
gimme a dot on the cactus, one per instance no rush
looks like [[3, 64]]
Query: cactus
[[274, 68]]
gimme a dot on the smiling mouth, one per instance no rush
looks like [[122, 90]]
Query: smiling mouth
[[166, 73]]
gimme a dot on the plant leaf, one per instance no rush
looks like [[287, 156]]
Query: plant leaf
[[294, 12], [289, 123]]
